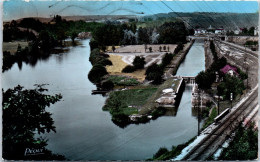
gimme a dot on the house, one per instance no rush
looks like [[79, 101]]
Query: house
[[230, 70], [199, 31], [219, 31], [256, 31], [236, 31]]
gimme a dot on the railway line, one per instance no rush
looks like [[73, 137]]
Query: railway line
[[224, 128]]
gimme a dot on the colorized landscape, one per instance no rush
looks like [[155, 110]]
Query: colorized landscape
[[143, 81]]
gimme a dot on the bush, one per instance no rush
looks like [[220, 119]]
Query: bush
[[96, 73], [154, 72], [160, 152], [93, 44], [139, 62], [158, 112], [107, 85], [105, 62], [128, 69]]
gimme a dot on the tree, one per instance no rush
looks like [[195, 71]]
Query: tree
[[172, 32], [73, 35], [107, 85], [96, 73], [139, 62], [128, 69], [145, 47], [113, 48], [150, 49], [143, 37], [205, 79], [24, 115], [154, 72]]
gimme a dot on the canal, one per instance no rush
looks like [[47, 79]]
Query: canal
[[84, 131]]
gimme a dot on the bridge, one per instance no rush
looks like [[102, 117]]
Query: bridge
[[187, 79], [199, 37]]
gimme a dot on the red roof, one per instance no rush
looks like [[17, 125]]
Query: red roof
[[227, 68]]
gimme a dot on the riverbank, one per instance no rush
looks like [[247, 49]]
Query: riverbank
[[208, 55], [178, 59]]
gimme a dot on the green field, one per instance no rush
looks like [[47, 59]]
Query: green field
[[12, 46]]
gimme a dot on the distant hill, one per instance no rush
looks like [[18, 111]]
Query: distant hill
[[205, 19], [85, 18]]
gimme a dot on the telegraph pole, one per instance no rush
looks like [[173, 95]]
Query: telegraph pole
[[231, 98], [198, 109]]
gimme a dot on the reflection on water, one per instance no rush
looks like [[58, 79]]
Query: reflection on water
[[84, 131]]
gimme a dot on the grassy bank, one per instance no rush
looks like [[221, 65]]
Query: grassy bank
[[150, 105], [164, 154], [122, 80], [121, 104], [211, 117]]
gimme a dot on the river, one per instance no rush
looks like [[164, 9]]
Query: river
[[84, 131]]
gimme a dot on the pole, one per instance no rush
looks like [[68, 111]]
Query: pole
[[231, 98], [247, 78], [198, 107], [218, 105]]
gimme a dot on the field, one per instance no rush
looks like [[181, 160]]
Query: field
[[118, 66], [12, 46]]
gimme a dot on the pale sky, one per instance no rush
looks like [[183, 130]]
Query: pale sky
[[15, 9]]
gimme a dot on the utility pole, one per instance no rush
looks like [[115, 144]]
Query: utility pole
[[198, 109], [247, 69], [231, 98], [218, 104]]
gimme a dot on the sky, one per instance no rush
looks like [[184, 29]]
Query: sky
[[15, 9]]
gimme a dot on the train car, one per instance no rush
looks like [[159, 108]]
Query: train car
[[221, 115]]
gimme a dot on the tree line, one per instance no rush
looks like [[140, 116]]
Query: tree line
[[129, 34]]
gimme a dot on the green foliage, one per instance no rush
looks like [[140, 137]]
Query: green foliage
[[154, 72], [244, 146], [251, 43], [160, 152], [164, 154], [158, 112], [143, 36], [128, 69], [108, 34], [73, 35], [24, 115], [93, 44], [96, 57], [119, 101], [166, 59], [178, 48], [210, 119], [205, 79], [139, 62], [123, 81], [242, 74], [150, 49], [107, 85], [172, 32], [96, 73], [123, 99], [231, 85]]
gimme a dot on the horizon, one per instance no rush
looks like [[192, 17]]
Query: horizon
[[16, 9]]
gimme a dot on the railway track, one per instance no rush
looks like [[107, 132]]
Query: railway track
[[225, 127], [208, 146]]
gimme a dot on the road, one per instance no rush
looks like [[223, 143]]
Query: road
[[222, 130]]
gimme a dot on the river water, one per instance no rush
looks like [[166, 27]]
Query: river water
[[84, 131]]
